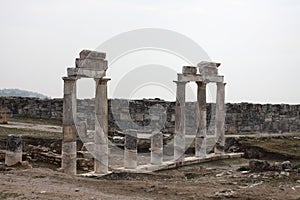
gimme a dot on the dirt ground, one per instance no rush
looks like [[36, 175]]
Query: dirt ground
[[224, 179], [214, 180]]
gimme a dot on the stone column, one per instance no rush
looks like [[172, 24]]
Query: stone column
[[200, 139], [13, 150], [179, 137], [130, 150], [157, 148], [69, 149], [220, 119], [101, 127]]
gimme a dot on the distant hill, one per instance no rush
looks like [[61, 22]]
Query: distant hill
[[20, 93]]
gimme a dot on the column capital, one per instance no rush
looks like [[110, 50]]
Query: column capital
[[221, 83], [67, 78], [102, 81], [180, 82], [201, 83]]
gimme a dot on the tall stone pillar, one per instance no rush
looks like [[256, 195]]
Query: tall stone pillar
[[200, 139], [179, 137], [220, 118], [130, 150], [157, 148], [69, 150], [101, 127]]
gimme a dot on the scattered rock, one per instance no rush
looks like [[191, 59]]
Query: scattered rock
[[226, 193], [149, 190], [219, 175], [276, 166], [259, 165], [283, 173], [286, 165], [76, 189], [26, 165], [2, 167]]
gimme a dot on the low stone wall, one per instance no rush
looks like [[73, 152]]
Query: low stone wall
[[240, 117]]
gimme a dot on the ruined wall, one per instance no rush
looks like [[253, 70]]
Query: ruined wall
[[241, 117]]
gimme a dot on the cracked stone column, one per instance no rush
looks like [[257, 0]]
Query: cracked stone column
[[179, 137], [101, 127], [69, 150], [130, 153], [220, 119], [200, 139], [156, 148], [13, 150]]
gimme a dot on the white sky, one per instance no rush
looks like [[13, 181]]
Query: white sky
[[256, 41]]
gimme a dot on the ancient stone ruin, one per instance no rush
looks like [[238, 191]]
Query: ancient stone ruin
[[208, 72], [91, 64]]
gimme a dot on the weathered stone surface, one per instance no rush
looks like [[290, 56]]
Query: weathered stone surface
[[156, 148], [208, 68], [13, 150], [220, 118], [91, 60], [286, 165], [69, 156], [259, 165], [180, 120], [240, 117], [130, 150], [85, 73], [200, 140], [189, 70], [91, 54]]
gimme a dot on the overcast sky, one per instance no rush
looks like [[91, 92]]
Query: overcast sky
[[256, 41]]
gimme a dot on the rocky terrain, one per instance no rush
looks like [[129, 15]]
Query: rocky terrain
[[269, 170]]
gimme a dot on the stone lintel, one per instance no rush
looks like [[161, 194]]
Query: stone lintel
[[93, 64], [199, 78], [85, 73]]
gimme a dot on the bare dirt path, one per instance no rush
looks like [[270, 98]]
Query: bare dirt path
[[58, 129], [33, 126], [216, 180]]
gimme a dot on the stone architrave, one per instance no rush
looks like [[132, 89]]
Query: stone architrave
[[69, 149], [179, 137], [130, 150], [13, 150], [200, 139], [101, 127], [220, 119]]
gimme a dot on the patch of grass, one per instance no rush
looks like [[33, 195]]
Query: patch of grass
[[296, 166], [36, 120], [283, 145]]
